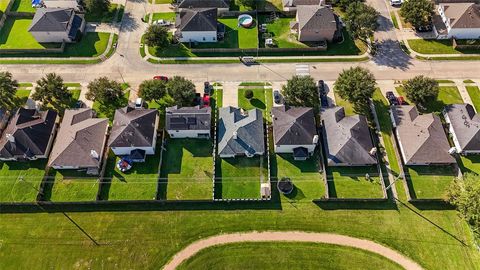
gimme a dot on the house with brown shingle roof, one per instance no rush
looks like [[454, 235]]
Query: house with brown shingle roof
[[315, 23], [457, 20]]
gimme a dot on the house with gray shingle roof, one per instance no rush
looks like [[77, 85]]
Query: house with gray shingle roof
[[315, 23], [457, 20], [188, 122], [464, 126], [80, 142], [57, 25], [421, 137], [240, 133], [294, 131], [197, 25], [346, 139], [220, 5], [292, 5]]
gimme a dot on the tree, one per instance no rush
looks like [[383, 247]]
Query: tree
[[104, 91], [248, 3], [156, 36], [152, 90], [418, 12], [8, 87], [97, 6], [343, 4], [248, 94], [464, 194], [301, 91], [50, 90], [356, 85], [181, 90], [361, 20], [421, 90]]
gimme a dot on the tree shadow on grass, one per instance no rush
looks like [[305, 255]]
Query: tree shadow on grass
[[257, 103]]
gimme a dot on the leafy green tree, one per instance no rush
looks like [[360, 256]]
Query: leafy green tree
[[50, 90], [421, 90], [97, 6], [8, 87], [301, 91], [343, 4], [152, 90], [104, 91], [248, 3], [156, 36], [361, 20], [418, 12], [464, 194], [356, 85], [248, 94], [181, 90]]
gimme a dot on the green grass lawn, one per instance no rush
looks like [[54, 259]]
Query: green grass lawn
[[280, 30], [102, 17], [23, 6], [3, 6], [394, 19], [468, 81], [168, 16], [92, 44], [71, 185], [240, 177], [345, 104], [22, 96], [474, 94], [12, 188], [285, 255], [433, 46], [247, 38], [187, 170], [429, 182], [14, 35], [470, 164], [258, 101], [108, 110], [446, 95], [350, 182], [140, 183], [305, 176]]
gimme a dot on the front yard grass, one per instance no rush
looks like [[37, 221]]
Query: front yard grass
[[240, 177], [168, 16], [20, 181], [474, 94], [71, 185], [351, 182], [339, 101], [21, 96], [187, 170], [258, 101], [446, 95], [23, 6], [108, 110], [433, 46], [429, 182], [102, 17]]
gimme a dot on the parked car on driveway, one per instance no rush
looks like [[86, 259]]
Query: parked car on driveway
[[277, 97], [162, 22], [396, 2], [426, 28], [163, 78], [321, 87], [392, 99]]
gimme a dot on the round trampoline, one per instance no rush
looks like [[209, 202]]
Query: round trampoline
[[245, 20], [285, 185]]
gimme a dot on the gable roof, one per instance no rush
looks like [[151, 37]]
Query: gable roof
[[80, 134], [198, 19], [465, 124], [314, 17], [293, 125], [133, 128], [204, 4], [295, 3], [347, 139], [188, 118], [27, 134], [239, 133], [462, 15], [421, 136], [51, 20]]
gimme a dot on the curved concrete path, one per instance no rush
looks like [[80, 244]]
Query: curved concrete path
[[292, 236]]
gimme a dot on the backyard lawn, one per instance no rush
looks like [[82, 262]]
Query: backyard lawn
[[240, 177], [71, 185], [286, 255], [187, 170], [351, 182], [20, 181], [305, 176], [14, 35], [433, 46], [429, 182], [470, 164], [474, 94], [23, 6], [447, 95]]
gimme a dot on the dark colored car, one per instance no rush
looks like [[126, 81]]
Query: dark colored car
[[391, 98], [277, 98], [163, 78], [207, 88], [424, 28], [80, 104], [321, 87], [197, 100]]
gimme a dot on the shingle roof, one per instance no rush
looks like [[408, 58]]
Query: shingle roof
[[314, 18], [463, 15], [51, 20], [293, 125], [31, 132], [466, 125], [133, 128], [347, 139], [248, 129], [79, 134], [204, 4], [421, 136], [188, 118], [295, 3], [201, 19]]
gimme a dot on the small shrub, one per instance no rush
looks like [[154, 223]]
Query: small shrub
[[248, 94]]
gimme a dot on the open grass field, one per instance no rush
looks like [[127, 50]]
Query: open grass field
[[433, 46], [71, 185], [351, 182], [305, 176], [447, 95], [474, 94], [240, 177], [23, 6], [187, 170], [19, 181], [429, 182], [285, 255]]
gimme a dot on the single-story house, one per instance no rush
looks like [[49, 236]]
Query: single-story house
[[292, 5], [188, 122], [346, 139], [221, 5], [80, 142], [28, 135], [57, 25], [464, 126], [457, 20], [134, 130], [420, 137], [75, 4], [240, 133], [197, 25], [315, 23], [294, 131]]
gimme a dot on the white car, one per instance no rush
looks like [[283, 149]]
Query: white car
[[162, 22], [396, 2]]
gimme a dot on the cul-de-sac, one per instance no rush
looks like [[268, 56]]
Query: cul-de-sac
[[240, 134]]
